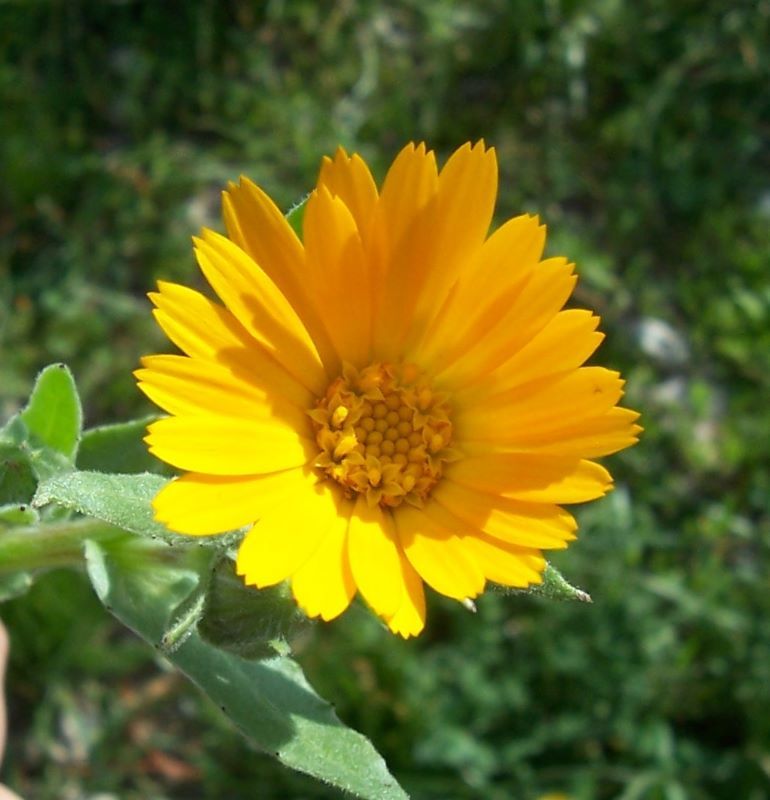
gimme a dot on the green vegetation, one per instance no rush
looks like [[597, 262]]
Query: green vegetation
[[639, 132]]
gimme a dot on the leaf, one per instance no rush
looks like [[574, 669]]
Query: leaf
[[14, 432], [121, 500], [53, 415], [295, 216], [17, 478], [556, 587], [46, 462], [252, 623], [186, 617], [14, 585], [553, 587], [270, 700], [118, 448], [18, 514]]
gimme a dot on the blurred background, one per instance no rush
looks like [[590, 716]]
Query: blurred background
[[640, 132]]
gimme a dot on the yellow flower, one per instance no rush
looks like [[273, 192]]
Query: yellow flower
[[394, 400]]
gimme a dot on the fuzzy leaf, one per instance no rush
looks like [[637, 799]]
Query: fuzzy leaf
[[118, 448], [17, 478], [121, 500], [53, 415], [556, 587], [252, 623], [270, 701]]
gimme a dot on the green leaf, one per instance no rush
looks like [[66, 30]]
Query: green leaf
[[17, 478], [252, 623], [270, 701], [53, 415], [18, 514], [556, 587], [121, 500], [185, 619], [118, 448], [14, 585], [14, 432], [295, 216], [553, 587]]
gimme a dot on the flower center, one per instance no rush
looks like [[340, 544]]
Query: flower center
[[383, 432]]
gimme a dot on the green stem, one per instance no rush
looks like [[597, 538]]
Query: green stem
[[45, 546]]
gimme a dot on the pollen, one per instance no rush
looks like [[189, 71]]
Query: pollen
[[383, 431]]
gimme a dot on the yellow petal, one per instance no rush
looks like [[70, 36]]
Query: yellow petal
[[223, 446], [337, 272], [348, 178], [513, 521], [532, 477], [205, 330], [504, 563], [409, 620], [257, 226], [287, 536], [374, 558], [260, 307], [436, 552], [323, 586], [187, 386], [199, 505]]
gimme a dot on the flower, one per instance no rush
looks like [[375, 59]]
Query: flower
[[395, 400]]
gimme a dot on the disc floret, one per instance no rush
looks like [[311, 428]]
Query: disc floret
[[383, 432]]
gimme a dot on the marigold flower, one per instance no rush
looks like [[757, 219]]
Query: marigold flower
[[395, 399]]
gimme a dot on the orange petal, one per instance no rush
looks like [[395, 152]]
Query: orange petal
[[400, 245], [513, 521], [260, 308], [205, 330], [257, 226], [338, 273], [493, 279], [499, 333], [536, 412], [348, 178]]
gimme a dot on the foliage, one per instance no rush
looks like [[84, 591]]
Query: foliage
[[639, 132]]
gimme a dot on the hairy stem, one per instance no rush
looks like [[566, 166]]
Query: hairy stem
[[50, 545]]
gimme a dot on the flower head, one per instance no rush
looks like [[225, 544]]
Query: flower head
[[396, 399]]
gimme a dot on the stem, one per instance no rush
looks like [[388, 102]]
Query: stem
[[44, 546]]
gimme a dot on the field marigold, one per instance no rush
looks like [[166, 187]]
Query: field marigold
[[393, 400]]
